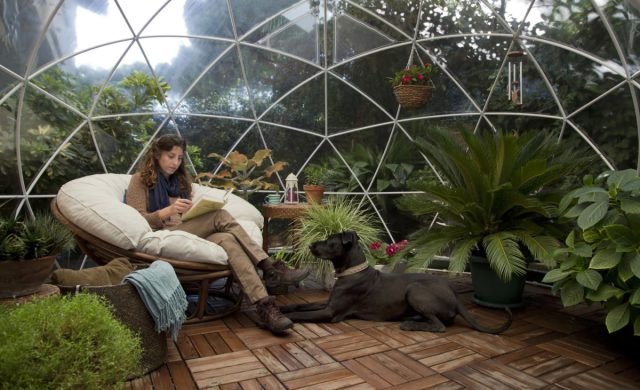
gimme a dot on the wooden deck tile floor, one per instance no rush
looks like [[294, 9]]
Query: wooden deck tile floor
[[547, 347]]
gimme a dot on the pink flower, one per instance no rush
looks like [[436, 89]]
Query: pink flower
[[375, 245], [420, 77], [391, 249]]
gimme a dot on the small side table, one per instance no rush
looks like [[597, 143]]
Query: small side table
[[279, 211], [44, 291]]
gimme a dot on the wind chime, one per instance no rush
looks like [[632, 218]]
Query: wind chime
[[514, 87]]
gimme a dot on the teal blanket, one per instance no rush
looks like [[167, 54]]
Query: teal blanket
[[162, 294]]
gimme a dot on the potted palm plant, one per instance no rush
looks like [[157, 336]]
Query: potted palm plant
[[27, 252], [495, 203]]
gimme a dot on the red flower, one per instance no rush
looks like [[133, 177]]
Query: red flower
[[391, 249], [375, 246]]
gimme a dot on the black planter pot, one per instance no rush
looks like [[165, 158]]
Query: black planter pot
[[491, 291]]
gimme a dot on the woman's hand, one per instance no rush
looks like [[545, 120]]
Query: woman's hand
[[181, 206]]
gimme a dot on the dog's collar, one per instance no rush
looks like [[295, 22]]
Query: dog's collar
[[353, 270]]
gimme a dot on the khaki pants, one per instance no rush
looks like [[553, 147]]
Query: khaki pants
[[244, 253]]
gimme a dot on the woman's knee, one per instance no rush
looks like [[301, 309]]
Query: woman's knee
[[223, 239]]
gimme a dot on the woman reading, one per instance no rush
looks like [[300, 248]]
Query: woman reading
[[161, 191]]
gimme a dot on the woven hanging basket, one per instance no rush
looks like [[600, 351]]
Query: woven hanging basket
[[413, 96]]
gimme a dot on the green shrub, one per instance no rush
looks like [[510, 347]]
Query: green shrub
[[601, 260], [65, 342]]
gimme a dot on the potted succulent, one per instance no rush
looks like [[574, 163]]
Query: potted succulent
[[413, 86], [316, 178], [27, 252], [495, 205], [239, 172], [320, 221], [601, 258]]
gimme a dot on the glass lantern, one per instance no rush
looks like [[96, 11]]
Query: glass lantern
[[291, 189]]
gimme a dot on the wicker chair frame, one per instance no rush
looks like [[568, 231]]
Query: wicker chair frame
[[194, 277]]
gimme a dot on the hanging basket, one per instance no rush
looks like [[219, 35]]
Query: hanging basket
[[413, 96]]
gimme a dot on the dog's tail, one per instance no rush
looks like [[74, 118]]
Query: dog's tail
[[462, 310]]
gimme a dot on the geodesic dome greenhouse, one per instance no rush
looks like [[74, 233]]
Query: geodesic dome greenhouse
[[86, 85]]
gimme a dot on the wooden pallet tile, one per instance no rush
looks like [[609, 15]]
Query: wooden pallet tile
[[430, 382], [429, 348], [140, 383], [300, 355], [201, 345], [564, 372], [186, 348], [533, 360], [227, 368], [232, 341], [594, 379], [399, 368], [547, 366], [271, 362], [452, 364], [380, 369], [371, 377], [313, 350], [507, 375], [586, 357], [203, 327], [259, 338], [290, 362], [271, 383], [466, 381], [217, 343], [181, 376], [487, 344], [318, 375], [161, 378], [173, 355]]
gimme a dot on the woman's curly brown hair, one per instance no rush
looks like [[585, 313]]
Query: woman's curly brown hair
[[149, 166]]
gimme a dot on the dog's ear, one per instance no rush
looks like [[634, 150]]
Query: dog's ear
[[349, 238]]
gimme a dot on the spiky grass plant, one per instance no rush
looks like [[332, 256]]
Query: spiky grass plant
[[320, 221], [34, 237]]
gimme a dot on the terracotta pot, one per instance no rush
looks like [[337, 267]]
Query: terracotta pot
[[314, 193], [18, 278]]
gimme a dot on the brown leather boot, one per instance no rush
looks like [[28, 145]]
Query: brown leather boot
[[281, 275], [270, 316]]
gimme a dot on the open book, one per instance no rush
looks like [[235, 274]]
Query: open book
[[206, 203]]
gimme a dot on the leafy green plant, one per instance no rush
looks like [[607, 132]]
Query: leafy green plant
[[238, 171], [320, 221], [65, 343], [601, 260], [317, 174], [34, 237], [498, 199], [413, 75]]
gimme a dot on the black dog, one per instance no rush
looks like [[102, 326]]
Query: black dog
[[365, 293]]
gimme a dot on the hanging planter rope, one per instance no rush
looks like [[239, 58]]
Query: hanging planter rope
[[413, 96]]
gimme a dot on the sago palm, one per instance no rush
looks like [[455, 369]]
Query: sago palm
[[499, 196]]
